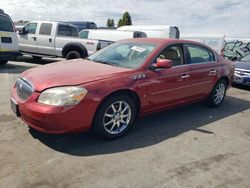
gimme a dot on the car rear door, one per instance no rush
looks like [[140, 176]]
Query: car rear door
[[8, 36], [203, 69], [45, 40], [28, 38]]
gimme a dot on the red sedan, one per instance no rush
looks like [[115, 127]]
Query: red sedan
[[108, 90]]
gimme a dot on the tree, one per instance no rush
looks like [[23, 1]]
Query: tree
[[125, 20], [110, 23], [120, 23]]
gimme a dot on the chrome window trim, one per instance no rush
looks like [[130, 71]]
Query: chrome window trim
[[185, 64]]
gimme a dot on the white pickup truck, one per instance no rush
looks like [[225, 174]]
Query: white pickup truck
[[56, 39]]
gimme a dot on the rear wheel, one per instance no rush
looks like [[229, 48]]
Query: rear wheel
[[3, 62], [73, 55], [218, 94], [114, 117]]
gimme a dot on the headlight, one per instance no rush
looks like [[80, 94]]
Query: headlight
[[63, 96]]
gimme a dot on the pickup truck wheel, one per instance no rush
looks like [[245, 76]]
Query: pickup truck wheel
[[36, 57], [73, 55], [3, 62], [114, 117]]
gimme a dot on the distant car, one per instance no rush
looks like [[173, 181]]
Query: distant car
[[108, 90], [242, 71], [8, 39]]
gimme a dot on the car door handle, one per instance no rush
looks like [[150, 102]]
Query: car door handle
[[34, 38], [185, 76], [50, 39], [212, 72]]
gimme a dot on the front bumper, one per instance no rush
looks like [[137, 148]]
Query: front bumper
[[55, 120], [241, 80]]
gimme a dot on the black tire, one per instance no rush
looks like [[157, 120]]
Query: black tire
[[3, 62], [119, 128], [73, 55], [217, 96], [37, 57]]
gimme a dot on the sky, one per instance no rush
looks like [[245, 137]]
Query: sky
[[207, 17]]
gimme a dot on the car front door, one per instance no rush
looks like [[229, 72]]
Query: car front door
[[27, 39], [169, 87], [203, 69]]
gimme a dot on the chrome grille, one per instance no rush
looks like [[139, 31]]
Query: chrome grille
[[24, 88], [242, 72]]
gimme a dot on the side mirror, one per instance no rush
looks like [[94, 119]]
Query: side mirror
[[164, 63], [22, 31]]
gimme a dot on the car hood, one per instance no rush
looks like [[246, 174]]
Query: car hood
[[242, 65], [74, 72]]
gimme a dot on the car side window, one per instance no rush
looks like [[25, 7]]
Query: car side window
[[199, 54], [174, 53], [45, 29], [138, 34], [30, 28], [67, 30], [84, 34]]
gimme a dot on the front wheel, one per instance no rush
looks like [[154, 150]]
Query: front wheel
[[114, 117], [218, 94]]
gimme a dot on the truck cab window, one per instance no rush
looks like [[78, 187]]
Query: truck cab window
[[30, 28], [45, 29], [67, 30]]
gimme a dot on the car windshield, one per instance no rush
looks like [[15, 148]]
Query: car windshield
[[127, 54], [246, 58]]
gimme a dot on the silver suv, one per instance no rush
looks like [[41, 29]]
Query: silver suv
[[8, 39]]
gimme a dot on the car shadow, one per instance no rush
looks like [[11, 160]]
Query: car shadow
[[14, 68], [43, 61], [146, 131]]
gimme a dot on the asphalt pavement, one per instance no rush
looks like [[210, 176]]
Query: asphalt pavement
[[191, 146]]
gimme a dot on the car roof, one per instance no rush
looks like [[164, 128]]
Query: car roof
[[161, 40]]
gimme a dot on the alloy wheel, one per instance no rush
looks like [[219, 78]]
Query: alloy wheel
[[117, 117], [219, 93]]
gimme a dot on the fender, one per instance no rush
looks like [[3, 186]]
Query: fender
[[75, 45]]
